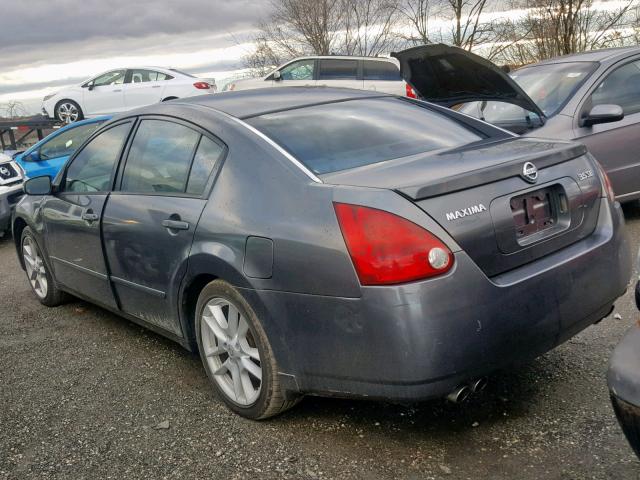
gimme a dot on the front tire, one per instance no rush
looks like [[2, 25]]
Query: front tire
[[236, 354], [42, 283], [68, 111]]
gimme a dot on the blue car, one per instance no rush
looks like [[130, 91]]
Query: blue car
[[50, 154]]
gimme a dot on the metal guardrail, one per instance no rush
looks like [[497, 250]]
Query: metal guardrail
[[9, 128]]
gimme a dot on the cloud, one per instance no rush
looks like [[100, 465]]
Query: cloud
[[35, 23]]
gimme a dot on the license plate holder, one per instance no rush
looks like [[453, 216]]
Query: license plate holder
[[537, 213]]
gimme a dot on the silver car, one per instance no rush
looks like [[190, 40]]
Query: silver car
[[591, 97]]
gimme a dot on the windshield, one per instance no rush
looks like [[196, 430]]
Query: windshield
[[550, 86], [342, 135]]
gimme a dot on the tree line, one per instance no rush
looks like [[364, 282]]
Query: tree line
[[510, 32]]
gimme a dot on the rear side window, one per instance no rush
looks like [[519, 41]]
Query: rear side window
[[380, 71], [91, 169], [338, 136], [142, 76], [338, 70], [160, 158], [67, 142], [207, 155]]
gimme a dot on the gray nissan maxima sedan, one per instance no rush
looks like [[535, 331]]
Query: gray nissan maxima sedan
[[330, 241]]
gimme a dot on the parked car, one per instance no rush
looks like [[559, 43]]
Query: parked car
[[591, 97], [369, 73], [624, 381], [11, 180], [50, 154], [122, 89], [343, 242]]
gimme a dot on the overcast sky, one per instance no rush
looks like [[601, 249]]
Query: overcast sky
[[46, 44]]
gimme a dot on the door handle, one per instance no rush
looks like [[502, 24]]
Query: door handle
[[175, 224], [89, 216], [156, 86], [117, 90]]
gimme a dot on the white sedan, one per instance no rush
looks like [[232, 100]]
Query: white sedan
[[123, 89]]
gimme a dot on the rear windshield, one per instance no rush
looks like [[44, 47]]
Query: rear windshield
[[342, 135]]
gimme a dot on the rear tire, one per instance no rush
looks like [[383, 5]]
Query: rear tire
[[42, 282], [236, 354], [68, 111]]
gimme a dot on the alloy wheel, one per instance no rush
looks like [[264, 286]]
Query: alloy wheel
[[231, 352], [35, 267], [68, 112]]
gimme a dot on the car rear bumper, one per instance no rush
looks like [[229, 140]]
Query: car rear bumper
[[9, 196], [421, 340]]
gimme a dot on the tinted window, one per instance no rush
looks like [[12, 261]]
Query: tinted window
[[380, 71], [338, 136], [301, 70], [338, 70], [141, 76], [159, 158], [111, 78], [621, 87], [91, 169], [67, 142], [206, 157]]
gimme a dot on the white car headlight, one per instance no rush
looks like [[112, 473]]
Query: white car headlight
[[47, 97]]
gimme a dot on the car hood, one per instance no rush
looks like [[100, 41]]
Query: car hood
[[450, 75]]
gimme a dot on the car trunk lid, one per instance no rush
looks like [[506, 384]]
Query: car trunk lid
[[506, 203], [450, 76]]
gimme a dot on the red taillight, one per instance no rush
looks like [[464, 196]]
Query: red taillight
[[606, 183], [202, 85], [410, 92], [387, 249]]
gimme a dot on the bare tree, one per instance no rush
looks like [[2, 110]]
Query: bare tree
[[370, 26], [297, 27], [559, 27], [417, 14], [13, 109], [468, 29], [469, 26]]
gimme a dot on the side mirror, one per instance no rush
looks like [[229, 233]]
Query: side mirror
[[90, 86], [276, 76], [603, 114], [38, 186], [33, 156]]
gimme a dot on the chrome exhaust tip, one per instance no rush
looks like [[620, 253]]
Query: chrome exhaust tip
[[460, 394], [478, 385]]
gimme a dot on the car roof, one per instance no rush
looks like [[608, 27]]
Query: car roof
[[603, 55], [254, 102], [340, 57]]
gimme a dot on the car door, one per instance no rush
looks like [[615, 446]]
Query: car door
[[104, 94], [143, 87], [150, 219], [300, 73], [339, 73], [382, 76], [72, 216], [616, 144]]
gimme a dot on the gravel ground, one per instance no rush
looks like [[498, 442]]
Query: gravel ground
[[86, 394]]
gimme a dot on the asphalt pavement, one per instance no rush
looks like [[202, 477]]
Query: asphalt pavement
[[87, 394]]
